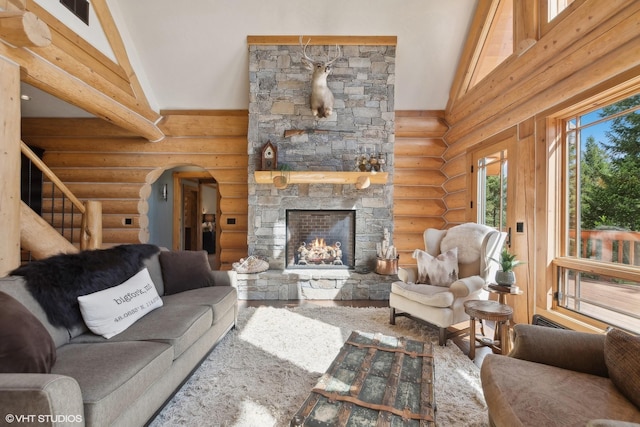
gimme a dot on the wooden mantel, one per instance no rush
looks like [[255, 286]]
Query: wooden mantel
[[321, 177], [324, 40]]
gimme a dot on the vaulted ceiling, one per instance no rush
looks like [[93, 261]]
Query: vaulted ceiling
[[193, 55]]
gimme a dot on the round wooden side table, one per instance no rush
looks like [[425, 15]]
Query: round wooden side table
[[488, 310]]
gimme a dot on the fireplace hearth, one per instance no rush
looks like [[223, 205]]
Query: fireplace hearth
[[320, 238]]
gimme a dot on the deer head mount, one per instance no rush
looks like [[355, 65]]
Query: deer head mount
[[321, 96]]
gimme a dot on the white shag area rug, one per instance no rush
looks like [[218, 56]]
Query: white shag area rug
[[263, 370]]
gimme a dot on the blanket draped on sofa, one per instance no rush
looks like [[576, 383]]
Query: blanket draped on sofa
[[57, 282]]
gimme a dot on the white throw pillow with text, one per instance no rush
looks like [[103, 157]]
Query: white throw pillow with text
[[113, 310]]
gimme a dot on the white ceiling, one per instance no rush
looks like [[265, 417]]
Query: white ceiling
[[193, 54]]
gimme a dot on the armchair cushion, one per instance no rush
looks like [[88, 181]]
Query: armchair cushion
[[434, 296], [467, 238], [441, 270], [622, 357], [466, 286]]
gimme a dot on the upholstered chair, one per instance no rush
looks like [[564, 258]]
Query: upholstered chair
[[454, 268]]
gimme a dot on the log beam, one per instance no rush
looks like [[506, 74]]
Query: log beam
[[55, 81], [13, 4], [526, 19], [38, 237], [9, 165], [24, 29]]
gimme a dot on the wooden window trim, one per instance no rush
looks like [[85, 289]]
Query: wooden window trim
[[545, 24], [556, 207]]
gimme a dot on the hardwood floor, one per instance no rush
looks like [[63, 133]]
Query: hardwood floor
[[462, 341]]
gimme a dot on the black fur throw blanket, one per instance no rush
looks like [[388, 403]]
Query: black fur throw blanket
[[56, 282]]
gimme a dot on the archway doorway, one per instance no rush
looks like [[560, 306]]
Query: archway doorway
[[195, 213]]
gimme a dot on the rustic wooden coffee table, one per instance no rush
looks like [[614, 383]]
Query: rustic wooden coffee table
[[375, 380]]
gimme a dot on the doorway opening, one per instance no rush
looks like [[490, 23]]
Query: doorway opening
[[195, 213]]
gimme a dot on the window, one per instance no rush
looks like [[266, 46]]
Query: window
[[554, 7], [492, 190], [497, 44], [553, 11], [599, 267], [80, 8]]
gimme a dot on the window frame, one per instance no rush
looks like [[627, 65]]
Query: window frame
[[558, 196], [547, 24]]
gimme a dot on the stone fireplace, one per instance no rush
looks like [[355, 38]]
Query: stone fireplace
[[320, 238], [362, 125]]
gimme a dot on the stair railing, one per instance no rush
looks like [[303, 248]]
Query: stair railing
[[91, 210]]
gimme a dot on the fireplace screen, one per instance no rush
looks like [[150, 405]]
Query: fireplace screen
[[321, 238]]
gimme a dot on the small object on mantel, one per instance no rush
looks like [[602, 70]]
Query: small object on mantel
[[269, 157], [295, 132]]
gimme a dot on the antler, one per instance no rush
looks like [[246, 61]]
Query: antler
[[304, 53], [304, 50], [338, 55]]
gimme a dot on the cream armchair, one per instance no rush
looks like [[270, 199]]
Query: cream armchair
[[478, 247]]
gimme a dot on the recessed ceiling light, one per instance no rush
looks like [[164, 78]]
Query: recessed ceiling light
[[25, 97]]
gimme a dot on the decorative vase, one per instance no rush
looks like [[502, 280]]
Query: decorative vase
[[505, 278]]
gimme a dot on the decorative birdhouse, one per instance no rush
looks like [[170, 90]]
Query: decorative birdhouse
[[269, 157]]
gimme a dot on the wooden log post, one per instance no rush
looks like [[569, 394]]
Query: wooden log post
[[526, 21], [91, 237], [38, 237], [24, 29], [13, 4], [9, 165]]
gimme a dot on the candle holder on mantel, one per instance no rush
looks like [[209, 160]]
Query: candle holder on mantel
[[371, 163]]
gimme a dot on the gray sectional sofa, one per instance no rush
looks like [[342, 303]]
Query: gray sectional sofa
[[78, 377]]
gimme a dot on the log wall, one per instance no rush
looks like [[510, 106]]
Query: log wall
[[419, 180], [98, 161]]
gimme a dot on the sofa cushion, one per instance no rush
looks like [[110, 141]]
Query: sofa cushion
[[622, 356], [219, 298], [185, 270], [519, 392], [434, 296], [16, 286], [112, 374], [441, 270], [25, 345], [155, 271], [111, 311], [57, 282], [177, 325]]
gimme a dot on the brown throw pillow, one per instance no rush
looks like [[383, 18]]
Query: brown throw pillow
[[622, 357], [185, 270], [25, 344]]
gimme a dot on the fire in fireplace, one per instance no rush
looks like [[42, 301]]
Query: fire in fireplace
[[320, 238]]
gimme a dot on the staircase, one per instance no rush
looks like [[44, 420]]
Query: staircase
[[63, 224]]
